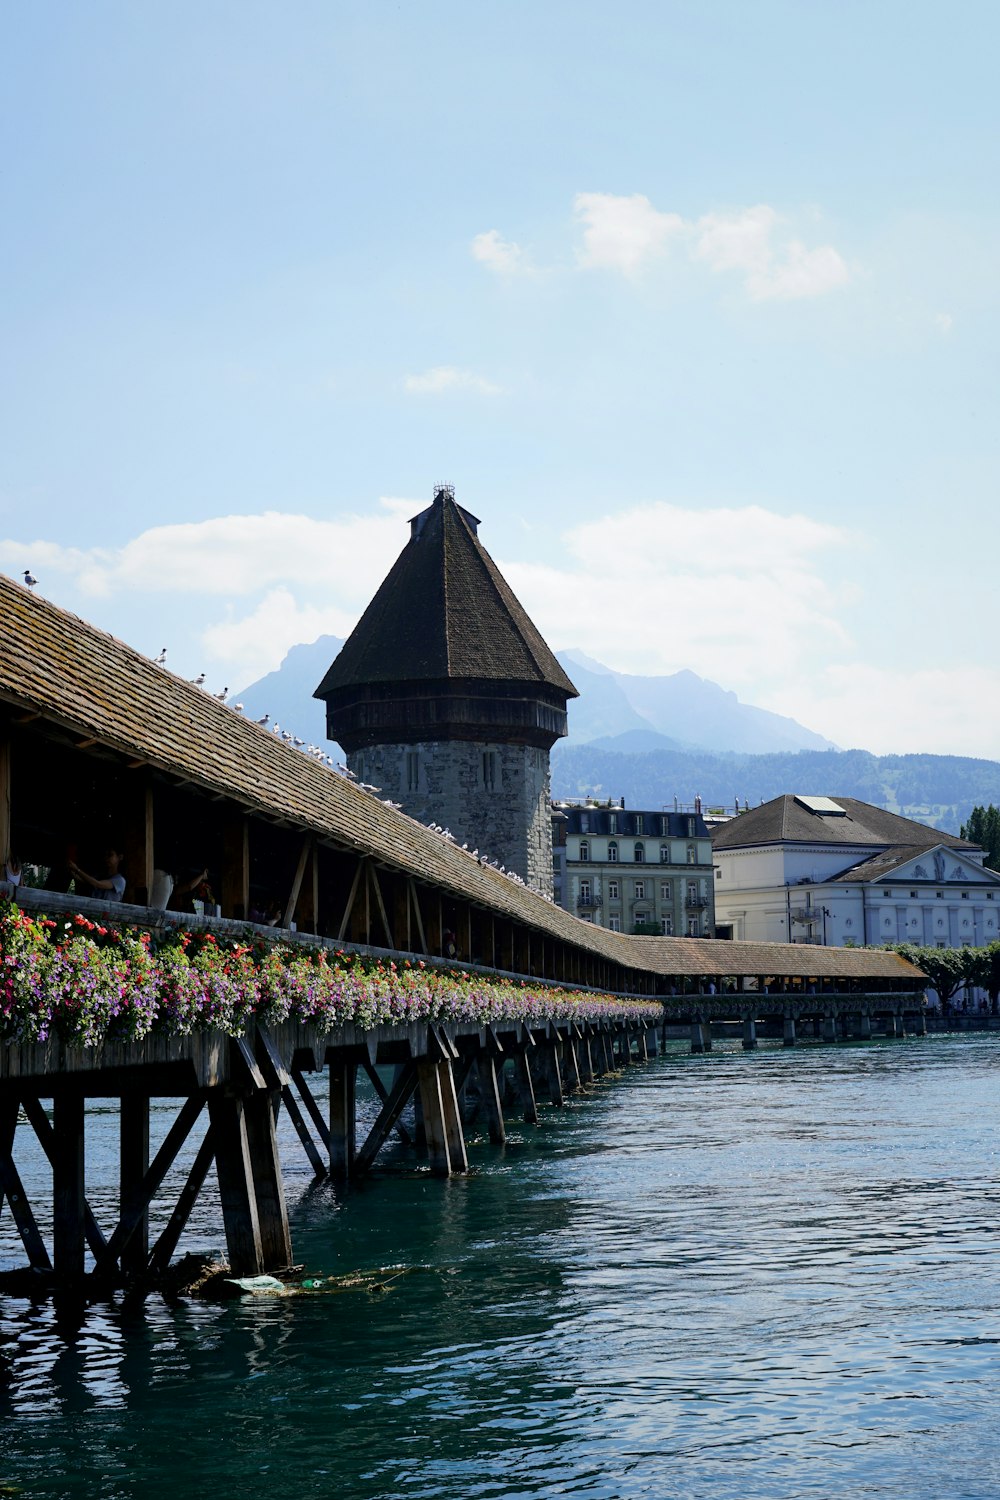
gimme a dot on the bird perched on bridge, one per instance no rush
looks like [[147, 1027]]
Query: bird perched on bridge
[[236, 707], [263, 719], [199, 679], [223, 695], [161, 660], [28, 580]]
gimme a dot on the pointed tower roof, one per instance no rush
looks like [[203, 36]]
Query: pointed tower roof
[[445, 613]]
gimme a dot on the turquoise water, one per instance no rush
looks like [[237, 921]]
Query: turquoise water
[[769, 1275]]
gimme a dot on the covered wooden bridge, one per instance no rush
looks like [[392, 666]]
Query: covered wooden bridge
[[101, 748]]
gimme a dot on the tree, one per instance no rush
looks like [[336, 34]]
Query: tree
[[946, 968], [983, 828]]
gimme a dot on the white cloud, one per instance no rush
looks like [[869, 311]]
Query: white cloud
[[252, 644], [735, 594], [505, 257], [621, 233], [744, 241], [944, 321], [440, 379], [953, 710]]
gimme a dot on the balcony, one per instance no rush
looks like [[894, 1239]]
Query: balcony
[[696, 903], [588, 903]]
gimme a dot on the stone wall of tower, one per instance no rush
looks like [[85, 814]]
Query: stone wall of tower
[[495, 797]]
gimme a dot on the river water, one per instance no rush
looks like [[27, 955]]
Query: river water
[[772, 1275]]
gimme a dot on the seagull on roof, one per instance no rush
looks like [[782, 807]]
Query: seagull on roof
[[29, 581], [236, 707], [223, 695], [197, 681], [161, 660], [263, 718]]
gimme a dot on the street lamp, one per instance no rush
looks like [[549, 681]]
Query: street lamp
[[826, 912]]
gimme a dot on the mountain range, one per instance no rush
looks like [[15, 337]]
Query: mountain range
[[650, 739]]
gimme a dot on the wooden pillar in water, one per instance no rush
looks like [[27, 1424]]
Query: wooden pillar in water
[[529, 1106], [343, 1126], [830, 1027], [133, 1165], [890, 1024], [788, 1031], [571, 1063], [261, 1114], [433, 1110], [585, 1061], [489, 1086], [865, 1025], [749, 1034], [236, 1184], [68, 1199], [553, 1073], [457, 1155]]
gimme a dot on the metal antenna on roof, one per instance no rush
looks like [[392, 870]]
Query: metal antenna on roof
[[444, 492]]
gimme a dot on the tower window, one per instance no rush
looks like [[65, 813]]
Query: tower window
[[412, 770], [490, 770]]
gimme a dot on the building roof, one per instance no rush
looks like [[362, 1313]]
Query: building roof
[[887, 860], [63, 669], [789, 820], [444, 612]]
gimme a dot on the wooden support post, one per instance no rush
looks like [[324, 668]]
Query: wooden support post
[[163, 1250], [134, 1164], [435, 1124], [584, 1060], [697, 1035], [749, 1034], [343, 1126], [527, 1089], [291, 1104], [261, 1114], [351, 895], [313, 1109], [553, 1073], [236, 1184], [489, 1088], [571, 1067], [865, 1026], [377, 891], [68, 1201], [12, 1187], [396, 1100], [138, 849], [236, 867], [788, 1031], [891, 1029], [457, 1154], [415, 900], [830, 1027], [297, 879], [384, 1094]]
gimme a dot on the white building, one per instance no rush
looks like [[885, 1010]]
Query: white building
[[818, 870]]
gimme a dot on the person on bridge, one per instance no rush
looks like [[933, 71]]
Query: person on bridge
[[111, 886]]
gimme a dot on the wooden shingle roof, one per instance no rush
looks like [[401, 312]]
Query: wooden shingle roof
[[444, 612]]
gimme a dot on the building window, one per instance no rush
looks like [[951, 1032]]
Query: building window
[[612, 890], [641, 916], [612, 822], [965, 895], [585, 849], [612, 852], [693, 927], [412, 770], [664, 854], [913, 895], [692, 890], [665, 825], [638, 822], [666, 891], [692, 855], [939, 895], [489, 770], [639, 853], [691, 828], [584, 822], [615, 922], [989, 895], [585, 892], [667, 926], [887, 895], [640, 891]]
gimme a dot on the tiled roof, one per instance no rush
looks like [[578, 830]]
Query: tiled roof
[[786, 820], [444, 612], [59, 666]]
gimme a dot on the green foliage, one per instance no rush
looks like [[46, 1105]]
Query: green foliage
[[983, 828], [948, 969]]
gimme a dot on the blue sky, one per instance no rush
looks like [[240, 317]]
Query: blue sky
[[695, 304]]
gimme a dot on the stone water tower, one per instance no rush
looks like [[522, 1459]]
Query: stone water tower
[[446, 697]]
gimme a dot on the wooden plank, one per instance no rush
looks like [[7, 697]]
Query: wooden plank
[[435, 1125], [300, 870], [416, 912], [290, 1102], [343, 1115], [350, 901], [395, 1102], [68, 1238], [312, 1108], [12, 1189], [42, 1126], [526, 1086], [383, 1093], [162, 1252], [144, 1192], [236, 868], [489, 1090], [236, 1184], [260, 1113], [457, 1154], [139, 841], [133, 1130], [373, 877]]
